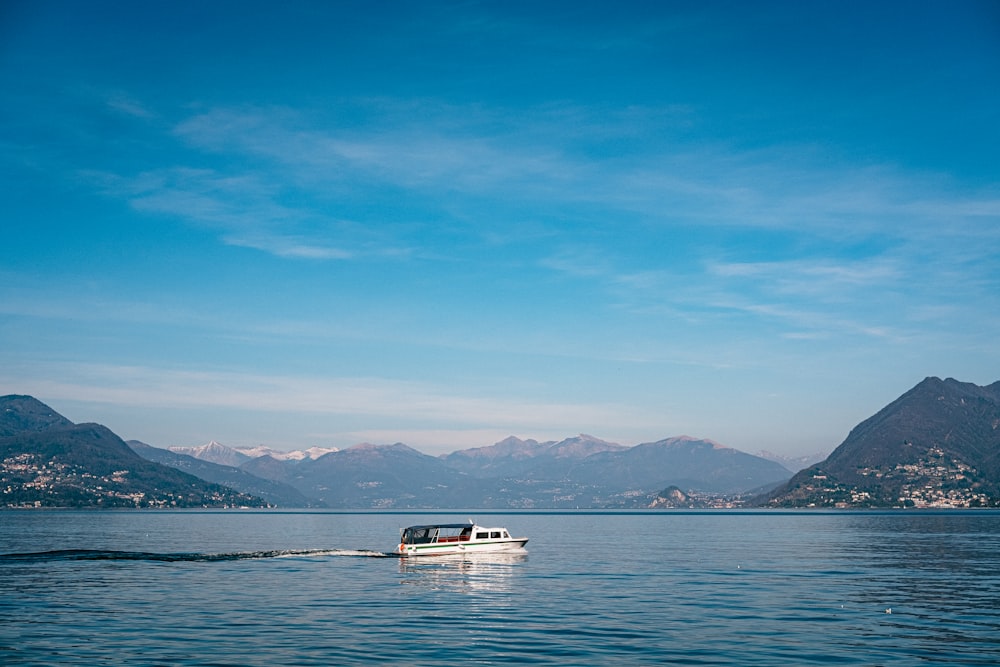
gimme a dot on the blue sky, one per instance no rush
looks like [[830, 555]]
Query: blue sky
[[305, 224]]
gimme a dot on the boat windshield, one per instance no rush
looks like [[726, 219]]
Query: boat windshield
[[429, 534], [419, 535]]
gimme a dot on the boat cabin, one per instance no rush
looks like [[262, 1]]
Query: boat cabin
[[455, 532]]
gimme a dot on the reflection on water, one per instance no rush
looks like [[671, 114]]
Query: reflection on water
[[464, 573]]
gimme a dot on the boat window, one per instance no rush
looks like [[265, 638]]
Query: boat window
[[416, 536], [495, 535], [482, 536], [506, 535]]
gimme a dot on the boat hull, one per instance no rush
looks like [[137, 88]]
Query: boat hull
[[471, 547]]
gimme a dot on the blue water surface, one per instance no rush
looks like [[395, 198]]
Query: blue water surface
[[593, 588]]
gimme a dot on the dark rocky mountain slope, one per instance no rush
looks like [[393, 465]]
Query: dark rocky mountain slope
[[23, 414], [936, 445]]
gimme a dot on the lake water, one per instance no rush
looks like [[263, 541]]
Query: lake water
[[593, 588]]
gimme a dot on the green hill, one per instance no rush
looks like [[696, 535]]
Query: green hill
[[47, 461]]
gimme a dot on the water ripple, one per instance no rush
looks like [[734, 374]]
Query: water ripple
[[680, 589]]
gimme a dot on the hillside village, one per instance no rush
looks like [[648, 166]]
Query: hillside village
[[936, 481], [26, 481]]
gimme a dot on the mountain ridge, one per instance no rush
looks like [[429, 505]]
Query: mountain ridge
[[510, 473], [19, 414], [580, 471], [938, 444], [216, 452]]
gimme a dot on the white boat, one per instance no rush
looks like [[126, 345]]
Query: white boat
[[441, 539]]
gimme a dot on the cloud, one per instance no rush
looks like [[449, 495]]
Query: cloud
[[424, 146], [124, 103], [287, 246], [578, 262], [298, 409], [385, 399], [398, 179], [243, 208], [816, 278]]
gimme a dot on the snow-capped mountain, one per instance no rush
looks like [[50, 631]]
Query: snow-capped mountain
[[215, 452], [296, 455]]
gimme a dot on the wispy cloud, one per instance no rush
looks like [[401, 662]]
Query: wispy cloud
[[579, 262], [399, 179], [296, 247], [244, 209], [128, 105], [279, 173], [821, 278], [423, 146], [385, 399]]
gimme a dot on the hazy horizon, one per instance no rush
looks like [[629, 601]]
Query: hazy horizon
[[247, 448]]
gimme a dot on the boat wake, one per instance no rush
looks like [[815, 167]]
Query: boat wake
[[94, 554]]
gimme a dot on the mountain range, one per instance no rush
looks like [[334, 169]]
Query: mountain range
[[582, 471], [938, 445], [237, 456]]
